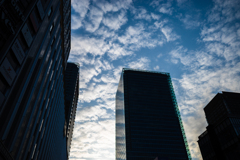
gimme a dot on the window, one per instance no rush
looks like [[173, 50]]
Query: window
[[3, 85], [41, 125], [22, 42], [24, 3], [50, 12], [34, 21], [52, 42], [12, 60], [2, 42], [34, 150], [51, 28]]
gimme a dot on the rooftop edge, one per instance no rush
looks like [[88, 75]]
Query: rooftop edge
[[130, 69]]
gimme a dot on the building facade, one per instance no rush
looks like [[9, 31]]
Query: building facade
[[221, 138], [148, 122], [71, 99], [34, 48]]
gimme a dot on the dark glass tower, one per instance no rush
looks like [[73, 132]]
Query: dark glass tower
[[148, 122], [34, 48], [221, 139], [71, 97]]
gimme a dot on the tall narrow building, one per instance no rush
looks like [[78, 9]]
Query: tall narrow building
[[71, 97], [34, 48], [148, 122], [221, 138]]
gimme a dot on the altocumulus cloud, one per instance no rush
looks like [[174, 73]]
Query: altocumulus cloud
[[198, 44]]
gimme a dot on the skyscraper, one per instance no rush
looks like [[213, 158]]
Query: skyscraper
[[71, 98], [148, 122], [34, 48], [221, 139]]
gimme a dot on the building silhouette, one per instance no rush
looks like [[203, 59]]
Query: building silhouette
[[148, 122], [221, 138], [34, 48], [71, 98]]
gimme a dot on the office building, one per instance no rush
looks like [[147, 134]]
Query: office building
[[221, 138], [71, 99], [148, 122], [34, 48]]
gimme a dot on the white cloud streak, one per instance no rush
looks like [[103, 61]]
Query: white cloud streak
[[142, 63], [115, 22], [95, 17], [81, 10]]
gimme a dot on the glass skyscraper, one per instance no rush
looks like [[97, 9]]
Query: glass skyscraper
[[34, 48], [148, 122]]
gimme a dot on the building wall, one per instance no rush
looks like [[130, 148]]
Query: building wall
[[120, 122], [32, 70], [71, 97], [206, 147], [152, 127], [223, 130]]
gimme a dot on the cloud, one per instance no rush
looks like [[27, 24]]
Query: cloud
[[81, 11], [92, 113], [166, 8], [104, 32], [221, 33], [138, 36], [169, 34], [76, 22], [160, 24], [156, 68], [105, 92], [141, 13], [84, 45], [113, 6], [141, 63], [155, 3], [86, 75], [181, 2], [117, 51], [155, 16], [166, 30], [95, 17], [115, 22], [224, 11], [112, 76], [160, 55], [195, 59], [190, 22], [91, 16], [90, 68], [132, 33], [93, 139], [104, 86]]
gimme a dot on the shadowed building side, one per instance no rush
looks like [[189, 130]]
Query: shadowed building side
[[221, 139], [34, 48], [71, 99], [148, 123]]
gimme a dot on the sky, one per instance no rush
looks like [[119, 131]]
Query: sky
[[196, 41]]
